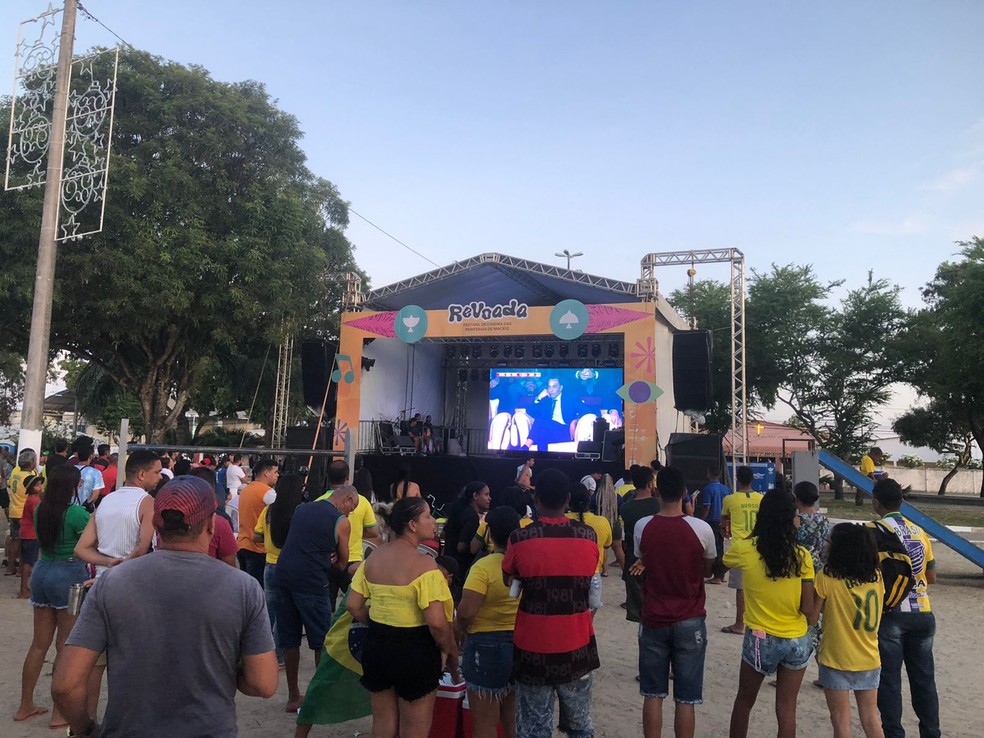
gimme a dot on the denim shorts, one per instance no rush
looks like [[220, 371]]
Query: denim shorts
[[767, 654], [535, 709], [29, 551], [51, 580], [486, 662], [594, 593], [852, 681], [297, 611], [681, 644]]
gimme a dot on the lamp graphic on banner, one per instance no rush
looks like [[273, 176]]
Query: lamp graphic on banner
[[410, 324]]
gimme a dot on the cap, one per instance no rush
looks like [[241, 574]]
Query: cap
[[194, 498]]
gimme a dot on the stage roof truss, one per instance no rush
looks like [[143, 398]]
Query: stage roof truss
[[736, 259]]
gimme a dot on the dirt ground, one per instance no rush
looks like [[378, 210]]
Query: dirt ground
[[617, 707]]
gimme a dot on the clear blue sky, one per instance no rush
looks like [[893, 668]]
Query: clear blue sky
[[842, 134]]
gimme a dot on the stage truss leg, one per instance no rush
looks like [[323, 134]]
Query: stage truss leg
[[281, 400]]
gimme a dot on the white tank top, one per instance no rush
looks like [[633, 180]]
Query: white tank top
[[118, 523]]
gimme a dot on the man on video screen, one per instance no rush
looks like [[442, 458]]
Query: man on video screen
[[553, 412]]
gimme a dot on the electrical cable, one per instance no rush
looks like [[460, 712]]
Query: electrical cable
[[390, 235], [90, 16]]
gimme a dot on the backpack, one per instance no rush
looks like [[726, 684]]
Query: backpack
[[894, 563]]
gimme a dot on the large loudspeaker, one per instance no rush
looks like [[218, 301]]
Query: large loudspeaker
[[317, 359], [692, 453], [692, 370], [302, 437]]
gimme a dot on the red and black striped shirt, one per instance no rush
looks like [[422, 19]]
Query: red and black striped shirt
[[554, 640]]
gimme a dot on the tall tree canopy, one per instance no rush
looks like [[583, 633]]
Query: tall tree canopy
[[216, 235]]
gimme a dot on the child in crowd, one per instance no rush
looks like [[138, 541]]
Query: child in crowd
[[850, 592], [28, 535]]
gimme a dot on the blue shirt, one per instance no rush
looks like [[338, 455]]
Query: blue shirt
[[92, 480], [713, 496], [305, 560]]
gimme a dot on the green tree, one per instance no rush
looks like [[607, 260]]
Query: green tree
[[11, 384], [944, 346], [938, 428], [215, 230]]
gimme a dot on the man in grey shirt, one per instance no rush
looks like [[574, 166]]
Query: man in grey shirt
[[181, 631]]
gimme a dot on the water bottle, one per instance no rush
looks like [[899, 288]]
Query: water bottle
[[76, 594]]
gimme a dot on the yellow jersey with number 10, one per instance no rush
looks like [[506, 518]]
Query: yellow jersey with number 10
[[741, 508]]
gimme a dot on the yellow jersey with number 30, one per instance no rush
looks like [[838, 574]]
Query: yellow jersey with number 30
[[741, 508]]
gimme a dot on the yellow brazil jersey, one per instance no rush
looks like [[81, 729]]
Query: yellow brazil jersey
[[771, 605], [272, 552], [482, 534], [624, 489], [603, 531], [403, 605], [851, 616], [498, 610], [742, 509], [920, 550], [360, 518], [18, 493], [867, 465]]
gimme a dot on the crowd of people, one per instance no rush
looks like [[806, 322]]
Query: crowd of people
[[215, 575]]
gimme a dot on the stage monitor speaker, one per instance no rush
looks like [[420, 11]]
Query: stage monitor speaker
[[693, 453], [317, 360], [612, 445], [692, 370], [588, 450]]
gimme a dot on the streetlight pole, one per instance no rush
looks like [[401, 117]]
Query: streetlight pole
[[569, 256], [44, 282]]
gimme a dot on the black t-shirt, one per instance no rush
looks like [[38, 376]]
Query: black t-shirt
[[462, 530], [631, 513]]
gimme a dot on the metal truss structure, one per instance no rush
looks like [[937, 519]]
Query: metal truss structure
[[734, 257], [88, 132], [281, 400]]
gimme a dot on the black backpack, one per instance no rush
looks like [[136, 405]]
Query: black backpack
[[894, 562]]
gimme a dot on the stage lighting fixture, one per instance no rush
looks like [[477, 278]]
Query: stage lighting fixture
[[548, 351], [595, 350], [476, 352], [520, 352], [494, 350], [564, 350], [368, 364], [462, 375], [507, 351], [538, 352], [452, 350], [613, 350], [582, 351]]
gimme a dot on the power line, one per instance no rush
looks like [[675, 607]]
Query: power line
[[390, 235], [93, 18]]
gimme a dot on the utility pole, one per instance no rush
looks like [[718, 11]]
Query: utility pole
[[44, 283]]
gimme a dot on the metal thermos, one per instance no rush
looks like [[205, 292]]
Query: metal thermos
[[76, 594]]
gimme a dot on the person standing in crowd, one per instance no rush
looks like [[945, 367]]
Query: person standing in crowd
[[223, 545], [235, 476], [676, 551], [316, 546], [27, 462], [850, 593], [404, 600], [590, 482], [403, 487], [738, 513], [524, 473], [101, 462], [579, 501], [487, 617], [554, 642], [362, 479], [59, 523], [92, 480], [271, 530], [463, 521], [606, 504], [206, 640], [28, 534], [711, 502], [59, 457], [814, 527], [252, 555], [109, 473], [906, 632], [777, 575], [642, 504], [166, 463]]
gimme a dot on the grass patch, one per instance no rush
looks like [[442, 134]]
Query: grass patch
[[947, 514]]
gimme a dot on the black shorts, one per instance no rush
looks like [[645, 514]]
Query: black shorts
[[406, 660]]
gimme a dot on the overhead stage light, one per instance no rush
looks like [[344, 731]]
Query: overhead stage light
[[494, 350], [507, 350], [614, 350], [538, 351], [596, 350], [476, 352], [564, 350], [452, 351], [582, 351], [548, 351], [520, 352]]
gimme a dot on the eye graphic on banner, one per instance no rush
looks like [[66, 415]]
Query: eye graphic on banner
[[639, 392]]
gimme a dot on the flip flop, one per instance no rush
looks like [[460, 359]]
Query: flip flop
[[37, 711], [56, 726], [730, 629]]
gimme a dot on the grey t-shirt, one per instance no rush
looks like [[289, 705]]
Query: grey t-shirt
[[174, 626]]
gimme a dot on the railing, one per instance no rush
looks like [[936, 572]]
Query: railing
[[474, 441]]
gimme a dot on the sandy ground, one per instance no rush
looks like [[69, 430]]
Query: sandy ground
[[617, 706]]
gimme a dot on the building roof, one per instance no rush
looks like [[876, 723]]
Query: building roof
[[765, 438], [497, 278]]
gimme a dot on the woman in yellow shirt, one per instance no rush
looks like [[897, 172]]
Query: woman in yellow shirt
[[580, 499], [777, 576], [487, 614], [409, 635], [850, 594]]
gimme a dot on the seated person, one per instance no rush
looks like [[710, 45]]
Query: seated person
[[553, 412]]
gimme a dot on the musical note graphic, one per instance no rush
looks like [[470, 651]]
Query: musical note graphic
[[336, 376]]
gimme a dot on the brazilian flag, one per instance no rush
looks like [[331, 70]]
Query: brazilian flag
[[335, 694]]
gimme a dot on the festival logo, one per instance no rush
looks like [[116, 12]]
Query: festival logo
[[480, 311]]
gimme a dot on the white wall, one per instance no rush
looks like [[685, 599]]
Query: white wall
[[406, 377]]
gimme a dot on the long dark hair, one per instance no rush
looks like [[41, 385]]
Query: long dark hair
[[580, 499], [290, 494], [853, 554], [775, 535], [62, 487], [463, 500], [402, 512], [402, 477]]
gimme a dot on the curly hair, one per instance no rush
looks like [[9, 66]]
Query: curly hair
[[853, 554], [775, 535]]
